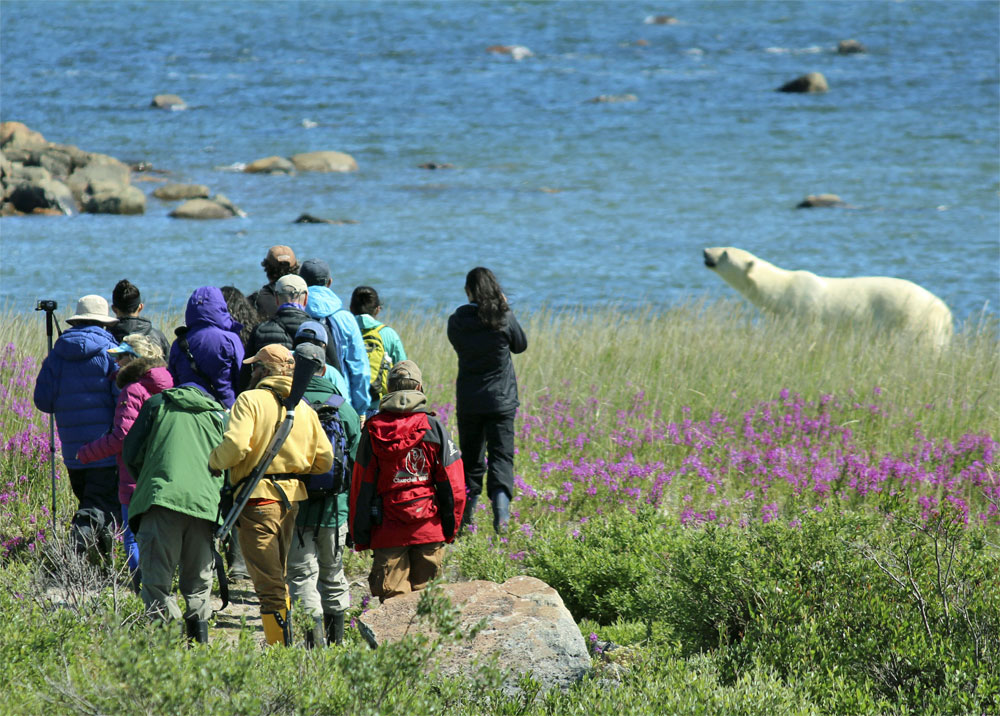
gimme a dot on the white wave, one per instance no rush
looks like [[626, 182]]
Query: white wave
[[234, 167]]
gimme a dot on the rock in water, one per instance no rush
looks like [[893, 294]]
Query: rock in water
[[527, 627], [270, 165], [819, 201], [176, 192], [851, 47], [809, 83], [324, 162], [168, 101]]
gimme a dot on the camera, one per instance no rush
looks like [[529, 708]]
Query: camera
[[44, 305]]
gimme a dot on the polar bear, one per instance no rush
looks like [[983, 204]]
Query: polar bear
[[891, 303]]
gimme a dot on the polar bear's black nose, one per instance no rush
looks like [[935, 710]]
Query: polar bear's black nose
[[709, 261]]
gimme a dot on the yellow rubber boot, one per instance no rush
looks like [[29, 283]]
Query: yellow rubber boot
[[277, 627]]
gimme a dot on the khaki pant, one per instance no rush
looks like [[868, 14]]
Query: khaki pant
[[169, 540], [265, 534], [316, 570], [400, 570]]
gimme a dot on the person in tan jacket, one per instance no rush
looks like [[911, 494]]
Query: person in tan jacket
[[268, 520]]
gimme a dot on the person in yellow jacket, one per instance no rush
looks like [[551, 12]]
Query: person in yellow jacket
[[268, 521]]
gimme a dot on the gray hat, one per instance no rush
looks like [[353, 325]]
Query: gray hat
[[315, 272], [290, 285], [406, 369], [92, 308], [311, 352]]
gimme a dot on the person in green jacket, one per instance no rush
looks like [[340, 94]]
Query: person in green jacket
[[175, 506], [316, 557]]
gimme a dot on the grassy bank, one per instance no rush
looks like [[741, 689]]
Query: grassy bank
[[743, 516]]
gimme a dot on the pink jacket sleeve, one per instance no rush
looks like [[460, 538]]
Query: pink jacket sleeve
[[130, 401]]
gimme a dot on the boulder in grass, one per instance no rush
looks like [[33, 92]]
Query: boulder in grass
[[270, 165], [851, 47], [218, 207], [526, 626], [168, 101], [177, 192], [809, 83], [324, 162], [821, 201]]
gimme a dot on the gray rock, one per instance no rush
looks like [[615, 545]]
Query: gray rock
[[661, 20], [270, 165], [527, 627], [818, 201], [324, 162], [310, 219], [114, 199], [16, 135], [206, 209], [611, 98], [99, 176], [808, 83], [851, 47], [46, 194], [168, 101], [223, 200], [176, 192]]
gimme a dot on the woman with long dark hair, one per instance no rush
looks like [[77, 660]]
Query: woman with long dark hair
[[484, 333]]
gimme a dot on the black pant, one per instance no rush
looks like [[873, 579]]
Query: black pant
[[98, 487], [493, 434]]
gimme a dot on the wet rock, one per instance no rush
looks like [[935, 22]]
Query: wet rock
[[310, 219], [817, 201], [102, 175], [327, 161], [168, 101], [218, 207], [270, 165], [611, 98], [851, 47], [43, 195], [661, 20], [809, 83], [527, 627], [114, 199], [435, 165], [176, 192]]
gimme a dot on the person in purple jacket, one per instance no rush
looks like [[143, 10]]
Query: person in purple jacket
[[76, 384], [142, 372], [208, 351]]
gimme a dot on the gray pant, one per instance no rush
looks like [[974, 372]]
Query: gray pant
[[316, 570], [168, 540]]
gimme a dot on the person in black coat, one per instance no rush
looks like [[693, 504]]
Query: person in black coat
[[126, 302], [484, 333]]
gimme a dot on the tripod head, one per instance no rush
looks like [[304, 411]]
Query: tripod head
[[46, 305]]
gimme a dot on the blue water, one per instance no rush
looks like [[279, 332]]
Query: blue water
[[709, 155]]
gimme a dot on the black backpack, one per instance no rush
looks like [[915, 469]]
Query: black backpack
[[338, 478]]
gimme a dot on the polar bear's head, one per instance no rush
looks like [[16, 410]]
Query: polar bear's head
[[733, 265]]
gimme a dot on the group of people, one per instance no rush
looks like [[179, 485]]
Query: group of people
[[160, 436]]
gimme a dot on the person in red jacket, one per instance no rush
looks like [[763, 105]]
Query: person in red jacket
[[407, 488]]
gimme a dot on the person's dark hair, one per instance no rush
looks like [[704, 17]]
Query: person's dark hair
[[126, 297], [241, 310], [275, 271], [484, 290], [395, 384], [365, 300]]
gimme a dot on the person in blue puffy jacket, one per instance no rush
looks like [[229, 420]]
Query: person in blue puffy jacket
[[76, 384], [213, 354]]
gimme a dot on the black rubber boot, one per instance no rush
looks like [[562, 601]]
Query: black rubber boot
[[316, 637], [197, 630], [334, 625], [501, 511], [470, 508]]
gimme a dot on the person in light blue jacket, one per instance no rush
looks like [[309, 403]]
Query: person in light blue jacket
[[76, 384], [327, 308]]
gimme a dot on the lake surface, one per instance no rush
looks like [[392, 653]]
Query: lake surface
[[571, 203]]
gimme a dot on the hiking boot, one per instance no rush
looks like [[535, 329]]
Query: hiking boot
[[316, 636], [470, 508], [501, 511], [197, 630], [334, 625]]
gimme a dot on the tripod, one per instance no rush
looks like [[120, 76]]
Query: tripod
[[50, 319]]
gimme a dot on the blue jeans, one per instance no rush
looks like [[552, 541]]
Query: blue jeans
[[131, 546]]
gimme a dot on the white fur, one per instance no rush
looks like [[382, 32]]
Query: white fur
[[890, 303]]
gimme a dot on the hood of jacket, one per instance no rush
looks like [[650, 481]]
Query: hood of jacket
[[151, 371], [83, 343], [281, 384], [192, 400], [394, 434], [404, 401], [322, 302], [207, 307], [133, 324]]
